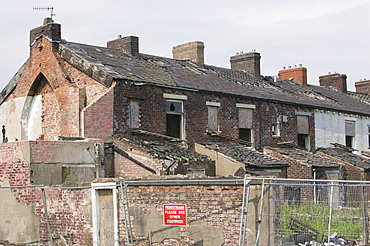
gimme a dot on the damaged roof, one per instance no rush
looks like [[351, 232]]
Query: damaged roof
[[345, 155], [246, 155], [164, 149], [106, 65], [304, 156]]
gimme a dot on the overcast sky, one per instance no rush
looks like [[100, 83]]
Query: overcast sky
[[323, 35]]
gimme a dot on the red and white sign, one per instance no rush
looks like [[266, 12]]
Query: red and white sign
[[174, 214]]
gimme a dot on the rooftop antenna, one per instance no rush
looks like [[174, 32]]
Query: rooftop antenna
[[47, 8]]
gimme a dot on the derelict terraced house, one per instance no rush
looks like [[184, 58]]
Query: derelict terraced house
[[81, 91]]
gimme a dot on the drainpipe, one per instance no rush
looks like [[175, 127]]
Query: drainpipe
[[97, 159]]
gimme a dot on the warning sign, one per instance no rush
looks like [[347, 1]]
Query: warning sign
[[174, 214]]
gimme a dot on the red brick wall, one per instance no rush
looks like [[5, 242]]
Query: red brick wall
[[216, 205], [298, 74], [126, 168], [66, 91], [296, 170]]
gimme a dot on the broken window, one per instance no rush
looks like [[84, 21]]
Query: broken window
[[303, 131], [275, 126], [245, 124], [350, 133], [134, 113], [174, 118], [213, 118]]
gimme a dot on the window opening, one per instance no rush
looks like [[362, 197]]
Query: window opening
[[275, 126], [350, 133], [174, 119], [245, 124]]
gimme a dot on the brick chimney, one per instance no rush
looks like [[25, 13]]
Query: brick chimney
[[248, 62], [363, 86], [193, 51], [335, 81], [297, 74], [49, 29], [128, 45]]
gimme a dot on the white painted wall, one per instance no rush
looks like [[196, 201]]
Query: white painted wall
[[10, 116], [330, 128]]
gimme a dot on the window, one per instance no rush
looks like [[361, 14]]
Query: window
[[134, 113], [245, 134], [213, 121], [275, 126], [245, 124], [303, 131], [350, 133], [174, 118]]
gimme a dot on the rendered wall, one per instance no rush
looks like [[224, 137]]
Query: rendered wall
[[330, 128]]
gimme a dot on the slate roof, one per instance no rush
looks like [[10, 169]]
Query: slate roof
[[163, 149], [306, 157], [106, 65], [362, 97], [247, 156], [347, 156]]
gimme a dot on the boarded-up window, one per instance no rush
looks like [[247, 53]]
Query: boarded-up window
[[212, 118], [134, 113], [350, 128], [245, 118], [302, 124]]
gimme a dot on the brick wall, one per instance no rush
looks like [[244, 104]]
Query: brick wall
[[65, 90], [153, 115], [97, 117], [69, 210]]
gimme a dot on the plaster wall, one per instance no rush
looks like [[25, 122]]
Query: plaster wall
[[11, 118], [330, 128], [225, 166]]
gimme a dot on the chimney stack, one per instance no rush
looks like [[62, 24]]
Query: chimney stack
[[49, 29], [297, 74], [248, 62], [128, 45], [335, 81], [193, 51], [363, 86]]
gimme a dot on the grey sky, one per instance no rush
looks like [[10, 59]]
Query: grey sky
[[323, 35]]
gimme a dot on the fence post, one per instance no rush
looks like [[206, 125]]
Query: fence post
[[330, 210], [46, 215], [365, 226]]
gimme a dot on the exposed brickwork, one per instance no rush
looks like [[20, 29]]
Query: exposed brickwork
[[247, 62], [363, 86], [203, 203], [297, 74], [153, 116], [336, 81], [68, 210], [126, 168], [98, 117]]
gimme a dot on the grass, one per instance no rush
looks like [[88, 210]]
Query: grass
[[346, 221]]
